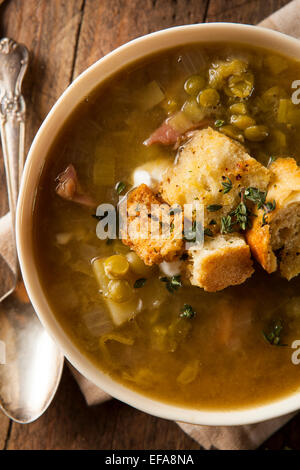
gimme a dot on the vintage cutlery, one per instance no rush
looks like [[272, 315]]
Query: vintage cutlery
[[30, 362]]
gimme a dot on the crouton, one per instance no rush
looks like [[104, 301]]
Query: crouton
[[275, 238], [151, 231], [224, 260], [206, 161]]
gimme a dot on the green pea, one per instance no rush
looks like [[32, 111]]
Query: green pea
[[194, 84], [119, 290], [232, 132], [256, 133], [242, 121], [138, 266], [171, 106], [208, 98], [238, 108], [192, 110], [116, 266], [240, 86]]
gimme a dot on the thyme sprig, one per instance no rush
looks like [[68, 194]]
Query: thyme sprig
[[187, 311], [273, 336], [172, 283], [227, 224], [241, 215]]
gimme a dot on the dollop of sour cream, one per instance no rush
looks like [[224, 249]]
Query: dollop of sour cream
[[172, 268], [151, 173]]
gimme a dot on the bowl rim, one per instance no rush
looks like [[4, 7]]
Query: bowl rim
[[32, 170]]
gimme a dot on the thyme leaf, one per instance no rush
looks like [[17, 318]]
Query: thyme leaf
[[227, 185], [273, 336], [214, 207], [120, 186], [219, 123], [172, 283], [187, 311], [227, 224], [139, 283]]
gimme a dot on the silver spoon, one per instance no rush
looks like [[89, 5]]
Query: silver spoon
[[30, 362]]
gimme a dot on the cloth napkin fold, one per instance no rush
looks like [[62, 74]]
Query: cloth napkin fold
[[286, 20]]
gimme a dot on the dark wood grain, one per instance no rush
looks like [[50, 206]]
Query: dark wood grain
[[110, 23], [242, 11], [4, 426], [49, 30], [65, 37]]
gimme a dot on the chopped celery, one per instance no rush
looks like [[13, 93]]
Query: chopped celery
[[120, 312], [104, 171], [102, 279], [276, 64], [283, 110], [193, 111], [288, 113], [279, 139], [180, 122], [150, 96], [82, 267]]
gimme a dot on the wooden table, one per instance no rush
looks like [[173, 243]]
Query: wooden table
[[65, 37]]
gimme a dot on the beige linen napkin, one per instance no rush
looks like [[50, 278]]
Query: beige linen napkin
[[286, 20]]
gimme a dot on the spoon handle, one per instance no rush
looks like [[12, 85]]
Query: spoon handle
[[13, 64]]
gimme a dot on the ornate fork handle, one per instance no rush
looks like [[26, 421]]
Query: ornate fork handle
[[13, 64]]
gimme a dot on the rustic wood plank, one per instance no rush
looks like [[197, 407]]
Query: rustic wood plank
[[4, 426], [242, 11], [49, 30], [110, 23], [69, 423]]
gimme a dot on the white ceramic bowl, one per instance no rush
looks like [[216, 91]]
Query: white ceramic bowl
[[88, 80]]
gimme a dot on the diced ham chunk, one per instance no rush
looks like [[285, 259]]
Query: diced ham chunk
[[168, 135], [69, 188], [165, 135]]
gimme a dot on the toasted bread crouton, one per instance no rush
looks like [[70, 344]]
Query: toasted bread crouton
[[224, 261], [276, 239], [206, 161], [153, 233]]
